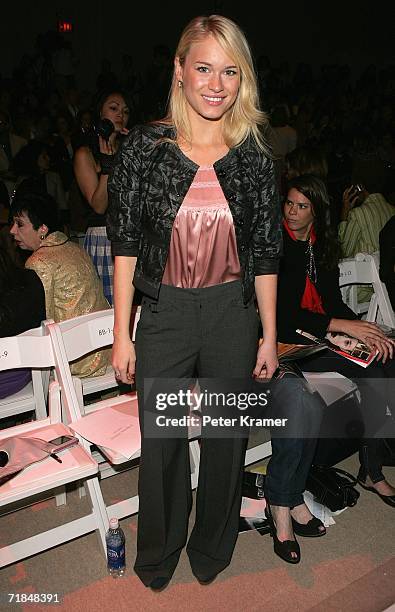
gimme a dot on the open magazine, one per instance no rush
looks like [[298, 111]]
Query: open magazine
[[344, 345], [291, 352]]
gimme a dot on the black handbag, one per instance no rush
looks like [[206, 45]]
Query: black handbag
[[253, 485], [332, 487]]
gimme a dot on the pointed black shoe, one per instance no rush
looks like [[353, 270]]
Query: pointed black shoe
[[312, 529], [387, 499], [284, 549]]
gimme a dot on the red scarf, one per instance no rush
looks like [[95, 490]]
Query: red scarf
[[311, 300]]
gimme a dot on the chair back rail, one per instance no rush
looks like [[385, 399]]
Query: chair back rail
[[28, 350], [363, 269]]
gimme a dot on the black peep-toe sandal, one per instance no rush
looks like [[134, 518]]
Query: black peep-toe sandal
[[312, 529], [283, 549]]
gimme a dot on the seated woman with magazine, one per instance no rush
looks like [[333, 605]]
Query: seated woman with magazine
[[310, 304]]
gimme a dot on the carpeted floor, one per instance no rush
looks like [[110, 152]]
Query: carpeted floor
[[351, 569]]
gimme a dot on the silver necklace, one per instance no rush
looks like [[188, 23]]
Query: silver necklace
[[311, 269]]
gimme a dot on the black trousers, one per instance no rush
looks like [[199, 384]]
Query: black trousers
[[208, 332], [374, 387]]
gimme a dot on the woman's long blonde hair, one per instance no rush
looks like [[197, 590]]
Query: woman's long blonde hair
[[245, 117]]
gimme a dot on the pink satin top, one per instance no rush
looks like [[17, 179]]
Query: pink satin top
[[203, 249]]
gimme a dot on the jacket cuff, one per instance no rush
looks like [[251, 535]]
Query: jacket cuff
[[127, 249], [319, 326], [267, 266]]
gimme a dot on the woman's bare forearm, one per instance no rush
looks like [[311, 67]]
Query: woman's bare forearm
[[266, 294], [123, 294]]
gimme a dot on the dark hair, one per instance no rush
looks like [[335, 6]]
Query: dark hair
[[92, 140], [41, 209], [307, 160], [278, 116], [11, 275], [327, 246], [25, 161], [103, 96], [66, 117]]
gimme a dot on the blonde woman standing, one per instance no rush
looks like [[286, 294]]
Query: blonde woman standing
[[194, 220]]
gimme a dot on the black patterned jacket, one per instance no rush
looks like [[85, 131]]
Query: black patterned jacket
[[147, 188]]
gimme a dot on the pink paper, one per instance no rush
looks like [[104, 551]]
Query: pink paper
[[252, 508], [113, 427]]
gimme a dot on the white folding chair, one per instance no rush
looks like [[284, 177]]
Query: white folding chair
[[257, 453], [107, 381], [85, 334], [363, 269], [47, 477], [33, 397]]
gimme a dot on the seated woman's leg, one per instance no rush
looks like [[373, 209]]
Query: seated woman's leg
[[373, 386], [292, 453]]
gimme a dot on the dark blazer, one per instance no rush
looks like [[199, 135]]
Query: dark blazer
[[23, 306], [291, 284], [148, 186]]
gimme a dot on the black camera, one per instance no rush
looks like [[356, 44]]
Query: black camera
[[104, 128]]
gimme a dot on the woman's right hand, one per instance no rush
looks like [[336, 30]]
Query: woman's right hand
[[350, 199], [124, 360]]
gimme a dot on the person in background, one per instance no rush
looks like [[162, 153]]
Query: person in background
[[4, 203], [283, 139], [194, 221], [83, 129], [309, 299], [387, 258], [32, 168], [70, 281], [283, 136], [62, 150], [71, 105], [22, 307], [306, 160], [10, 143], [364, 214], [156, 83], [92, 164]]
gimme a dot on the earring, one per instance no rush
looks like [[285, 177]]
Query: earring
[[42, 236], [179, 83]]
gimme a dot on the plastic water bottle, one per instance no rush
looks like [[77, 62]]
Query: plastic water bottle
[[115, 540]]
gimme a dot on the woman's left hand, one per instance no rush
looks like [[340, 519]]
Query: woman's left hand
[[384, 348], [367, 332], [266, 360]]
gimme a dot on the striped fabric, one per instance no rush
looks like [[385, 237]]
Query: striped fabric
[[97, 245], [360, 232]]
